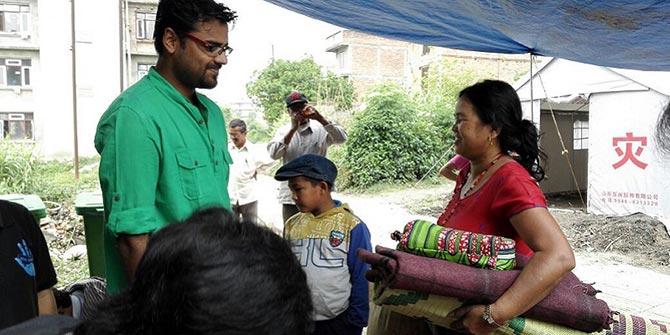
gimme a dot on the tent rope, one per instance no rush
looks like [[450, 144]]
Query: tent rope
[[434, 164], [564, 151]]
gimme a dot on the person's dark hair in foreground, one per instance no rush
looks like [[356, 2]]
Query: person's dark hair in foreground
[[663, 132], [208, 275]]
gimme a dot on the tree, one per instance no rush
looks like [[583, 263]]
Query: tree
[[227, 113], [272, 84], [256, 131], [436, 103]]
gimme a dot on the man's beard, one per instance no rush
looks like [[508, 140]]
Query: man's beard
[[193, 79], [207, 81]]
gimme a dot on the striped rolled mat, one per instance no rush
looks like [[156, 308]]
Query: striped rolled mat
[[427, 239], [423, 238], [435, 309], [392, 269]]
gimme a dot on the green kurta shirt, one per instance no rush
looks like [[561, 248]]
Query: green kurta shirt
[[162, 158]]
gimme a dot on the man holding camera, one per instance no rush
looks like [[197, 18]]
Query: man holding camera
[[302, 136]]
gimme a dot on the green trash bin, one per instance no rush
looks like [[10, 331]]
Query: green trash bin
[[89, 205], [32, 202]]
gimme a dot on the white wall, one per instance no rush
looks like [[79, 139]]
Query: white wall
[[97, 73], [53, 94], [617, 191], [98, 66]]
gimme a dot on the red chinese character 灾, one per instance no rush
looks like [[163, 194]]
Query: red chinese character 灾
[[629, 155]]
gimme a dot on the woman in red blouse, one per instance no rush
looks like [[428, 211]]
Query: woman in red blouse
[[498, 194]]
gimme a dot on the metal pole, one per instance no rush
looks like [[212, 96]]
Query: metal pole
[[74, 93], [126, 34], [532, 102], [121, 46]]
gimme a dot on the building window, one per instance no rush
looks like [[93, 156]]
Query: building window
[[145, 26], [580, 138], [142, 70], [343, 59], [14, 18], [425, 50], [15, 72], [16, 126]]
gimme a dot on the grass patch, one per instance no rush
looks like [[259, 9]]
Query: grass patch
[[23, 171], [69, 271]]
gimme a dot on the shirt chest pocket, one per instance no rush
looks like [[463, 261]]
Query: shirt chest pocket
[[193, 168]]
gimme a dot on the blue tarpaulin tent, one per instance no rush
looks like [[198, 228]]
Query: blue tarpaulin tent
[[633, 34]]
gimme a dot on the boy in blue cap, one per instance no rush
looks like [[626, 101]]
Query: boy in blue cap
[[324, 237]]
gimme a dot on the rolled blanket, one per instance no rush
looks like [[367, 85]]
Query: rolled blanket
[[400, 270], [427, 239], [436, 310]]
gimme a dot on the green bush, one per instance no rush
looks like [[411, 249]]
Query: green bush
[[337, 154], [17, 164], [389, 141]]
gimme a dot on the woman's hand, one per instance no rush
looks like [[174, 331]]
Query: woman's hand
[[470, 320], [552, 259]]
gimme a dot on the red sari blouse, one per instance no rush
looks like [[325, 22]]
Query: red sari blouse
[[509, 191]]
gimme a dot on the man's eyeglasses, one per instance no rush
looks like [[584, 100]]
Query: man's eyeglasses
[[213, 49]]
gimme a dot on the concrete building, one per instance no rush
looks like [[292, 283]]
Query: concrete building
[[113, 49], [368, 60], [482, 65], [139, 47], [19, 56]]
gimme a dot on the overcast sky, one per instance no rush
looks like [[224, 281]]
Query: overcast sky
[[259, 27]]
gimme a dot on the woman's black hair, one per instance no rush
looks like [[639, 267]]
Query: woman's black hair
[[497, 104], [210, 275], [662, 135], [182, 15]]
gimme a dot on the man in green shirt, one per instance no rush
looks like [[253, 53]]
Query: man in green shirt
[[163, 146]]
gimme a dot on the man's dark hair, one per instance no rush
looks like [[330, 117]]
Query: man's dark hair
[[237, 123], [182, 15], [210, 275]]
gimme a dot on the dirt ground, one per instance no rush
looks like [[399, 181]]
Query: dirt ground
[[639, 239]]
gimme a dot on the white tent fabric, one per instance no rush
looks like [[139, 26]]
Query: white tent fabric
[[565, 78], [626, 173]]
